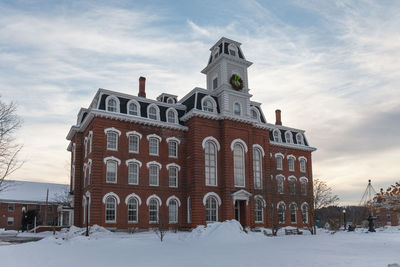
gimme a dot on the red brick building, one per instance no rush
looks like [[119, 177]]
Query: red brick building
[[209, 156], [31, 196]]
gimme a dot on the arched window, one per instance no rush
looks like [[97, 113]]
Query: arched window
[[172, 116], [292, 186], [189, 210], [153, 210], [289, 137], [173, 211], [281, 212], [90, 141], [86, 146], [304, 213], [133, 173], [133, 109], [208, 105], [211, 209], [291, 160], [210, 152], [303, 185], [232, 50], [257, 168], [170, 100], [258, 211], [279, 162], [112, 140], [132, 210], [112, 105], [277, 135], [89, 177], [111, 209], [302, 165], [254, 114], [299, 139], [237, 109], [152, 112], [293, 213], [111, 173], [238, 165], [279, 182]]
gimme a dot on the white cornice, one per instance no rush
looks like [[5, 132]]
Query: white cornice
[[294, 146]]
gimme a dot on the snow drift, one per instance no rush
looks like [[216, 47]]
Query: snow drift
[[219, 231]]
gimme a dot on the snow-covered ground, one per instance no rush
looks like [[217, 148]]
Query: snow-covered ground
[[219, 244]]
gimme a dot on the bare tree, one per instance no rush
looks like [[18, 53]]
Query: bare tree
[[323, 197], [9, 124], [162, 226]]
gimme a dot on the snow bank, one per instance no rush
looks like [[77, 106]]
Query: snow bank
[[95, 231], [219, 231]]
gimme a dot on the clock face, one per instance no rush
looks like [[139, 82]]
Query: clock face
[[236, 82]]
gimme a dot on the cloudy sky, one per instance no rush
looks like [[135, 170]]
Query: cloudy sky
[[332, 67]]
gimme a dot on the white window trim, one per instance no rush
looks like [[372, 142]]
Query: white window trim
[[210, 138], [85, 142], [238, 140], [301, 138], [233, 47], [139, 200], [303, 179], [90, 141], [170, 98], [212, 101], [116, 99], [213, 194], [279, 135], [113, 130], [137, 105], [279, 154], [189, 209], [259, 147], [152, 163], [177, 174], [173, 138], [262, 210], [111, 158], [284, 178], [173, 198], [133, 161], [153, 196], [257, 112], [155, 136], [134, 133], [290, 137], [173, 165], [262, 199], [175, 114], [292, 178], [111, 194], [281, 202], [302, 157], [157, 111]]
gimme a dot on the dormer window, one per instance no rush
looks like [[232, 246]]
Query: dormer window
[[216, 53], [172, 116], [133, 108], [299, 139], [277, 135], [236, 109], [153, 112], [289, 137], [112, 104], [208, 104], [170, 100]]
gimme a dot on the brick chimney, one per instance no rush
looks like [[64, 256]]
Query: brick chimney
[[142, 87], [278, 120]]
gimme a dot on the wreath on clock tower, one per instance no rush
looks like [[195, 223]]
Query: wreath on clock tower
[[236, 82]]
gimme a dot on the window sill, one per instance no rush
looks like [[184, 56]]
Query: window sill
[[112, 149], [153, 184], [111, 222], [133, 183], [155, 155], [259, 222], [172, 157], [212, 185], [134, 152], [173, 222], [133, 222], [173, 186]]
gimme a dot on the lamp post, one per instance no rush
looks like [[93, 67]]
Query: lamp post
[[344, 219]]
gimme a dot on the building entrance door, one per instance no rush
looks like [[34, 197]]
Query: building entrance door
[[240, 213]]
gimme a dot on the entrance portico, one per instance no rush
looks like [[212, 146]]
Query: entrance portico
[[240, 200]]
